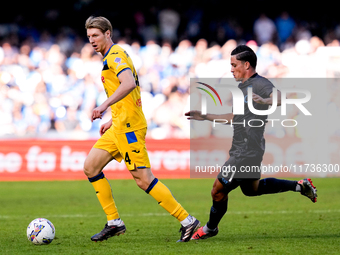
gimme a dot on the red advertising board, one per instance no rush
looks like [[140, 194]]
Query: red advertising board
[[30, 160]]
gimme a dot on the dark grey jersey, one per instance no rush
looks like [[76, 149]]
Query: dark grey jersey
[[248, 140]]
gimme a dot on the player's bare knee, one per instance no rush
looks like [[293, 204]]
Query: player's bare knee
[[218, 195], [143, 177], [217, 192], [142, 183], [89, 170], [86, 169], [89, 173]]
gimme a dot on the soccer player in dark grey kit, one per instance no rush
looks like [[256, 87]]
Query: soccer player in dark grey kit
[[248, 145]]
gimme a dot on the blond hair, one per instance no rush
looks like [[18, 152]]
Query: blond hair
[[102, 23]]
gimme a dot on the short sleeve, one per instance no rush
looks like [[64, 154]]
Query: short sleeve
[[265, 88], [118, 61]]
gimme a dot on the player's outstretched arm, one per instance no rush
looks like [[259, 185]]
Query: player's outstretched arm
[[127, 84], [197, 115]]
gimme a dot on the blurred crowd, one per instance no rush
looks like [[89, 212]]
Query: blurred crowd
[[49, 86]]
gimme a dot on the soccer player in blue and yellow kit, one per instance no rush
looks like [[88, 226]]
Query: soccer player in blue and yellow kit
[[123, 137]]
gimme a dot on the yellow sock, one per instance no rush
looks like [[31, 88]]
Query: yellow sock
[[104, 194], [165, 199]]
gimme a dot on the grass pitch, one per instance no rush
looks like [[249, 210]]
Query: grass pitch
[[286, 223]]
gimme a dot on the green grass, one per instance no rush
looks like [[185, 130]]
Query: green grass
[[284, 223]]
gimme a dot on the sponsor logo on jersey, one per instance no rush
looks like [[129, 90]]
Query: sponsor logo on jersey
[[119, 62], [139, 102]]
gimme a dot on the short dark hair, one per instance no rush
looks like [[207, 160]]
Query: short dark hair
[[244, 53]]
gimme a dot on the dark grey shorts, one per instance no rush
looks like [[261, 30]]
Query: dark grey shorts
[[235, 170]]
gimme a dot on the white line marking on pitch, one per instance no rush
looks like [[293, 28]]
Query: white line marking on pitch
[[167, 214]]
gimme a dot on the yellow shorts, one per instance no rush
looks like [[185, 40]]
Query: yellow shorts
[[128, 146]]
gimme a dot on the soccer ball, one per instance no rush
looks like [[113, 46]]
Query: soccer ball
[[40, 231]]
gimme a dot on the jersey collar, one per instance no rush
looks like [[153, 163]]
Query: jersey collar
[[108, 51], [245, 84]]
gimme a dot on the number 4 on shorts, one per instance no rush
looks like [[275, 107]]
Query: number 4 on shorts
[[127, 158]]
